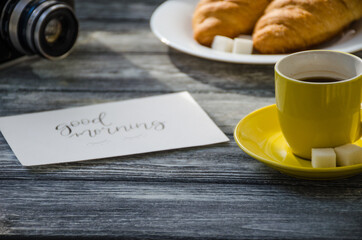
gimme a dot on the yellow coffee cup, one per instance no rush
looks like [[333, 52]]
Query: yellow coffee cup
[[318, 96]]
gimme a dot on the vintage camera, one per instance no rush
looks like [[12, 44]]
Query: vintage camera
[[48, 28]]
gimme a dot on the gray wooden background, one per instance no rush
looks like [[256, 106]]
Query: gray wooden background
[[215, 192]]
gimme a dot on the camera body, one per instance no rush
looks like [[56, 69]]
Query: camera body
[[48, 28]]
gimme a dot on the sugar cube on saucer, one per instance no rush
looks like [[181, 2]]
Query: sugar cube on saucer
[[348, 154], [242, 46], [323, 158], [221, 43]]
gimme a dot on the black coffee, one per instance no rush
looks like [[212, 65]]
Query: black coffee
[[320, 79]]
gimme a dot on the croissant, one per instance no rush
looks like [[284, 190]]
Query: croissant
[[293, 25], [228, 18]]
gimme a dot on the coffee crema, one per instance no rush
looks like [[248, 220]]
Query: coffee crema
[[321, 79]]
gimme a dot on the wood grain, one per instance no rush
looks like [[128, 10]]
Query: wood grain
[[212, 192], [180, 210]]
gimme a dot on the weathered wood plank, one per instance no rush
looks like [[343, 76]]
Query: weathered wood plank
[[222, 164], [137, 73], [196, 211], [116, 10], [226, 109], [119, 38]]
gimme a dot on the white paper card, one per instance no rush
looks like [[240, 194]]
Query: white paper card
[[112, 129]]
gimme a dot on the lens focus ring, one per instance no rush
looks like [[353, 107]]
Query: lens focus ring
[[14, 23], [31, 22]]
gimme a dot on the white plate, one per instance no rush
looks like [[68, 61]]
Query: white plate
[[171, 23]]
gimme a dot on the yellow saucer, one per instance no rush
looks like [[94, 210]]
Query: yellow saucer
[[259, 135]]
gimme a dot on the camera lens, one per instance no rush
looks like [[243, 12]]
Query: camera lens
[[54, 34], [45, 27], [53, 30]]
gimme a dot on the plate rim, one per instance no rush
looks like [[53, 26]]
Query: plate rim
[[270, 58], [266, 161]]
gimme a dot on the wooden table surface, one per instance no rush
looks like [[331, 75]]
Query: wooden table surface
[[214, 192]]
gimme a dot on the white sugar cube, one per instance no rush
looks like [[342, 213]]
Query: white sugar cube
[[242, 46], [221, 43], [323, 158], [348, 154]]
